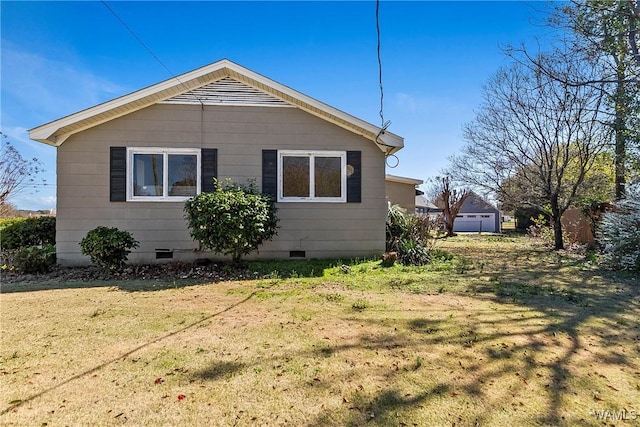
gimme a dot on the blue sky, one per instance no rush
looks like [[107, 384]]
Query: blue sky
[[60, 57]]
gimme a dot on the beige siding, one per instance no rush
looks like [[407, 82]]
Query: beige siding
[[240, 134], [401, 194]]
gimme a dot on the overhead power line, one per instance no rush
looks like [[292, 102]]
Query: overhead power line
[[148, 49], [380, 64]]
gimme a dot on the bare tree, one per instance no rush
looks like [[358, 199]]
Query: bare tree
[[449, 199], [605, 36], [7, 210], [534, 140], [16, 173]]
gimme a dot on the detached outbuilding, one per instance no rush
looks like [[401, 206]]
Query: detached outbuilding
[[402, 191], [477, 215], [132, 162]]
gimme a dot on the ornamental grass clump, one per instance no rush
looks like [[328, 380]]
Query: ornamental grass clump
[[233, 220], [409, 236]]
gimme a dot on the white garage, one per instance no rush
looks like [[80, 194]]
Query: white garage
[[478, 216], [472, 222]]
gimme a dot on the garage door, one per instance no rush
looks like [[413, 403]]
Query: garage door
[[475, 223]]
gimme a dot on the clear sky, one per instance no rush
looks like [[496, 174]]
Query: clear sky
[[60, 57]]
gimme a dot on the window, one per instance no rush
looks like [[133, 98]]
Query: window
[[162, 174], [312, 176]]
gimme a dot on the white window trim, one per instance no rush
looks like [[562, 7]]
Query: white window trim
[[311, 154], [165, 173]]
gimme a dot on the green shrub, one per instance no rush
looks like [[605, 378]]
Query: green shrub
[[409, 236], [619, 233], [35, 259], [360, 304], [233, 220], [441, 255], [22, 233], [412, 251], [108, 247], [542, 230]]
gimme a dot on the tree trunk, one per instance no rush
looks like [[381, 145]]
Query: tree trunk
[[557, 233], [619, 127], [448, 225], [556, 218]]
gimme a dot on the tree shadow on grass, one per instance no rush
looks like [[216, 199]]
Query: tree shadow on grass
[[386, 402], [218, 370], [540, 343]]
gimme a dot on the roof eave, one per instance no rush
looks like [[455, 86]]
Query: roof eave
[[403, 179], [50, 134]]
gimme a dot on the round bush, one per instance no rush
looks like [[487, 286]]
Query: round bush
[[233, 220], [108, 247]]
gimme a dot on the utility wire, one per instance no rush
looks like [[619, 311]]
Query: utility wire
[[379, 63], [384, 125], [148, 49]]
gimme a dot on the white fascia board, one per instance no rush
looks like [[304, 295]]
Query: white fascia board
[[386, 141], [45, 132], [389, 142], [403, 180]]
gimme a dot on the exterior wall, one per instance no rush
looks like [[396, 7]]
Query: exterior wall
[[476, 222], [401, 194], [475, 205], [240, 134]]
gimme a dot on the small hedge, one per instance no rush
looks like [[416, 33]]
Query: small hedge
[[27, 232], [35, 259], [108, 247]]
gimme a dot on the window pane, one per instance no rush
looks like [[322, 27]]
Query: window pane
[[147, 174], [328, 176], [295, 176], [183, 171]]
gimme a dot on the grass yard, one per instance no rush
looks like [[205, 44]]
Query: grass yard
[[504, 334]]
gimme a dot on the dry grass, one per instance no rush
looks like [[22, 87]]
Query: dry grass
[[505, 334]]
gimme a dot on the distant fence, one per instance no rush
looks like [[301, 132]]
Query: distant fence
[[576, 227]]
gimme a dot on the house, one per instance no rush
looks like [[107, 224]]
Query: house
[[425, 207], [477, 215], [402, 191], [131, 163]]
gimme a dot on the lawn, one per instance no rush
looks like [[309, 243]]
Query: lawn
[[505, 333]]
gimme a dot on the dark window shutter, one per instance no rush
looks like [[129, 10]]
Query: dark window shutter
[[208, 169], [354, 181], [118, 174], [270, 173]]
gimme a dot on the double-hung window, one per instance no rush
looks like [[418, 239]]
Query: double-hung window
[[162, 174], [312, 176]]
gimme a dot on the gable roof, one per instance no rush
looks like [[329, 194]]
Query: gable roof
[[476, 204], [171, 90], [422, 202]]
